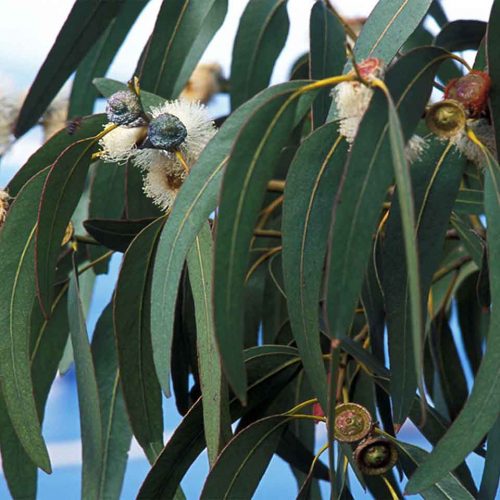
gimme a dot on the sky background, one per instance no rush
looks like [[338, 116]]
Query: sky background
[[28, 29]]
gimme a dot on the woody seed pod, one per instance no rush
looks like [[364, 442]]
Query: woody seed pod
[[375, 456], [353, 422], [446, 118]]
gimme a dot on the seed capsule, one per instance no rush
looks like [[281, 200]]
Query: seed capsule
[[124, 108], [375, 456], [353, 422], [167, 132], [471, 91], [446, 118]]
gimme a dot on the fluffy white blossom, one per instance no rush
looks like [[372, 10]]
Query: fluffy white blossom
[[353, 99], [484, 132], [162, 184], [120, 144]]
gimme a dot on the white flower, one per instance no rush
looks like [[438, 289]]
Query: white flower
[[484, 132], [164, 171], [162, 184], [352, 99], [120, 144], [204, 83], [4, 206]]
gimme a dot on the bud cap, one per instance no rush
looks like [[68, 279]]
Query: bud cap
[[124, 108], [353, 422], [167, 132]]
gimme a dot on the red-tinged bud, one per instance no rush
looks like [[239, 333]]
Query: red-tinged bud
[[471, 91], [370, 68]]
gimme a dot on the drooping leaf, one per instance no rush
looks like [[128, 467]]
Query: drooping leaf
[[448, 487], [311, 186], [461, 35], [388, 26], [261, 35], [244, 460], [250, 167], [194, 203], [491, 473], [133, 339], [97, 61], [116, 432], [216, 420], [177, 27], [115, 234], [88, 396], [17, 295], [85, 23], [327, 54], [50, 151], [270, 369], [48, 339], [61, 193], [435, 180], [481, 409]]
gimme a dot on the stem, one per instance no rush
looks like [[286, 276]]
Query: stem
[[95, 261], [86, 239], [262, 259], [304, 404], [267, 233], [350, 32], [182, 161]]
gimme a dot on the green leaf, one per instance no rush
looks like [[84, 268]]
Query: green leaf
[[270, 369], [61, 192], [481, 409], [88, 395], [261, 36], [98, 60], [115, 234], [448, 487], [85, 23], [17, 295], [107, 87], [493, 62], [177, 27], [491, 473], [133, 339], [116, 432], [436, 178], [249, 168], [194, 203], [388, 27], [327, 54], [357, 206], [50, 151], [469, 201], [461, 35], [48, 339], [216, 420], [311, 185], [239, 468]]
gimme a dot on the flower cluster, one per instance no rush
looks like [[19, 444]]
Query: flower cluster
[[164, 143], [353, 98], [463, 108]]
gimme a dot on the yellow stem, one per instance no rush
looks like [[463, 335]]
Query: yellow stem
[[304, 404], [394, 495], [182, 161], [326, 82], [308, 417], [262, 259]]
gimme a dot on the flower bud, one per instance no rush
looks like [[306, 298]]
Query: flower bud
[[353, 422], [167, 132], [124, 108], [471, 91], [375, 456], [446, 118], [370, 68]]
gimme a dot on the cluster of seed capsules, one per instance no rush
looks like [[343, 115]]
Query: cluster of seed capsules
[[373, 454]]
